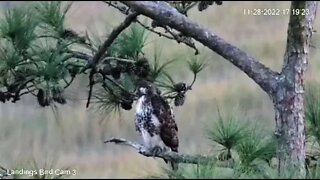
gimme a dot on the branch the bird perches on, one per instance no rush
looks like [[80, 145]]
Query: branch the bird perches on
[[169, 155]]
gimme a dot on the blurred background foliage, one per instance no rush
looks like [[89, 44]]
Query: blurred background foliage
[[35, 47]]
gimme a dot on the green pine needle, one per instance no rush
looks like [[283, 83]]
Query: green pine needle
[[255, 146], [53, 14], [129, 44], [312, 112], [195, 64], [18, 26], [106, 100], [227, 131]]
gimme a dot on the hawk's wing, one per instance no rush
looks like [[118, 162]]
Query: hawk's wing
[[168, 129]]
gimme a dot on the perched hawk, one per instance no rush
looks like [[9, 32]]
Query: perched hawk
[[154, 120]]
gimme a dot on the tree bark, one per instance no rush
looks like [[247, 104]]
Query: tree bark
[[289, 97]]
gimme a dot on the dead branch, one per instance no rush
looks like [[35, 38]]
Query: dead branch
[[4, 173], [169, 155]]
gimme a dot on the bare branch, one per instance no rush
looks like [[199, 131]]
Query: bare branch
[[4, 172], [120, 59], [167, 155], [165, 14], [122, 9], [154, 31]]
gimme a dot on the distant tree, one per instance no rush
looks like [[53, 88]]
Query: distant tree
[[40, 56]]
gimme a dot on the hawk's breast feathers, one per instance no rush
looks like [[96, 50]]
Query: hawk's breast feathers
[[155, 122]]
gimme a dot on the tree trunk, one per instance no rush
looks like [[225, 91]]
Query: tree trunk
[[289, 97]]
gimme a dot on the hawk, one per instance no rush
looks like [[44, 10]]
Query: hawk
[[154, 121]]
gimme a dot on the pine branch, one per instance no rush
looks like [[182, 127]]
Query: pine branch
[[114, 34], [174, 36], [168, 155], [165, 14]]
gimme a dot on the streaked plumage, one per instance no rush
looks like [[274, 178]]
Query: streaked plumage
[[154, 120]]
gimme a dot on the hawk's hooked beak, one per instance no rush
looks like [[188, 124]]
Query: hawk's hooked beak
[[143, 90]]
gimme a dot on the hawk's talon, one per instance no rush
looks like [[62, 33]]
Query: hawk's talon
[[156, 150]]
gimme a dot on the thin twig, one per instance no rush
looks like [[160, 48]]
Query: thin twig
[[81, 55], [154, 31], [115, 83], [5, 174], [183, 39], [91, 83], [27, 92], [122, 9], [68, 83], [120, 59], [193, 81]]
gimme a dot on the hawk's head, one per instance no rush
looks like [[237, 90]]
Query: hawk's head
[[147, 88]]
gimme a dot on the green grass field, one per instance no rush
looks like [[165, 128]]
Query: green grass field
[[73, 135]]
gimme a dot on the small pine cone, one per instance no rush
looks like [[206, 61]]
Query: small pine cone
[[73, 71], [57, 96], [202, 5], [2, 97], [179, 99], [142, 68], [115, 72], [68, 33], [106, 69], [130, 68], [7, 96], [142, 62], [127, 105], [180, 87], [143, 72], [218, 2], [40, 97], [121, 66]]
